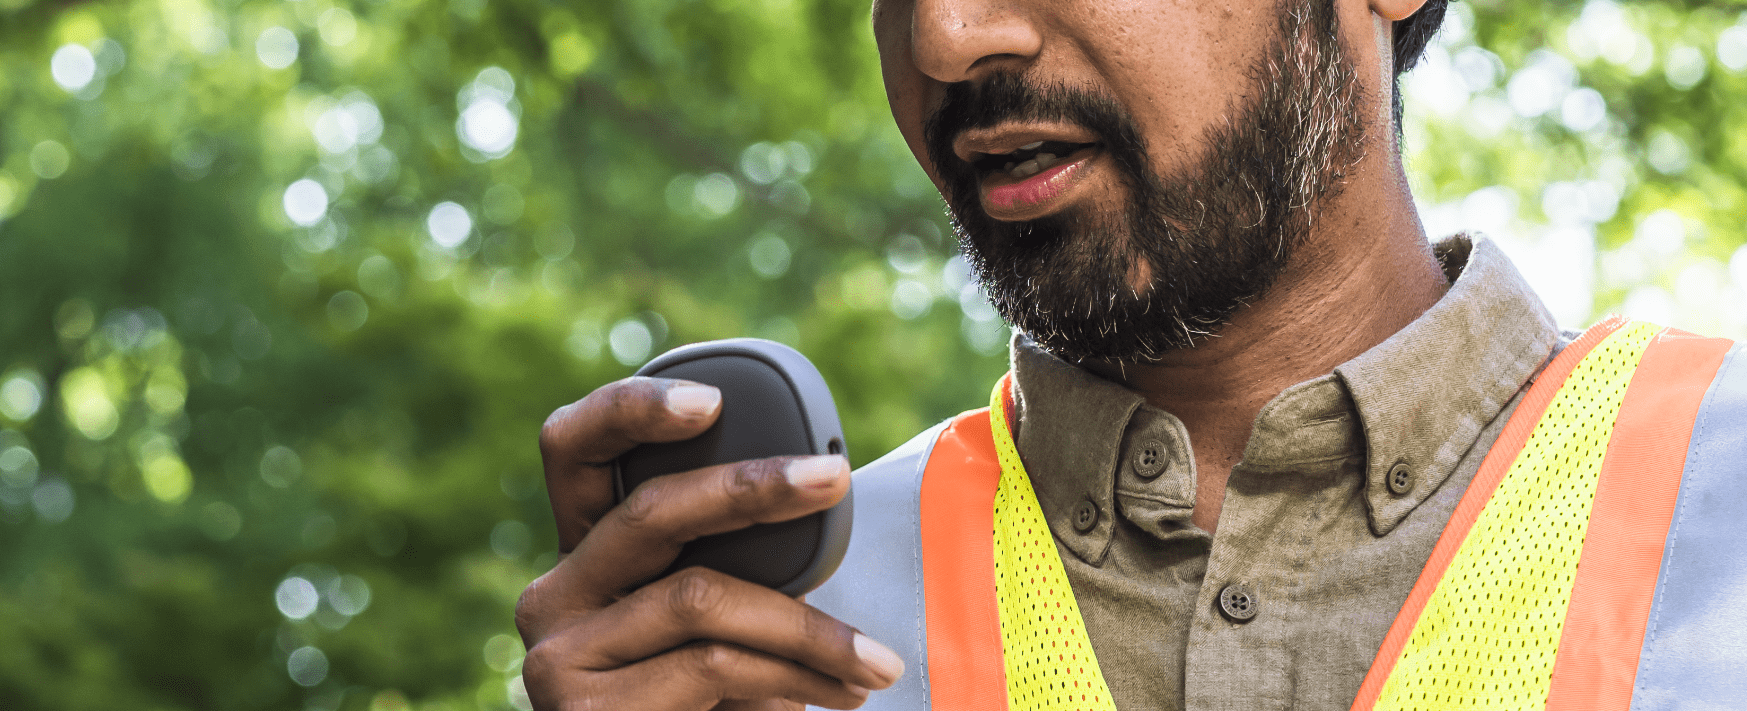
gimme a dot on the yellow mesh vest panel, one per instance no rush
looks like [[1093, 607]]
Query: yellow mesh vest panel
[[1489, 633], [1049, 660]]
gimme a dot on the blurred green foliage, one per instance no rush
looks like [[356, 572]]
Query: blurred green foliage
[[287, 288]]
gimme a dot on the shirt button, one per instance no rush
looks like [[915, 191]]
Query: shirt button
[[1150, 459], [1400, 479], [1238, 602], [1085, 515]]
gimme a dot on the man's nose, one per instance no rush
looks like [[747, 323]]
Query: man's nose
[[962, 40]]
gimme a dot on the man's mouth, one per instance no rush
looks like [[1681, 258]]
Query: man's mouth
[[1034, 180], [1030, 159]]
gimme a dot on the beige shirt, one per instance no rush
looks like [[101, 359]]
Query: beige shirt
[[1311, 527]]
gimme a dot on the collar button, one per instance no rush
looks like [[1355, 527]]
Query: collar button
[[1400, 479], [1150, 458], [1085, 515]]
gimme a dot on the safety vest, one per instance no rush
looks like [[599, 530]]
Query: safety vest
[[1598, 559]]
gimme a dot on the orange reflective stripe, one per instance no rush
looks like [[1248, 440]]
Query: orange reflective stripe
[[1498, 461], [965, 668], [1634, 504]]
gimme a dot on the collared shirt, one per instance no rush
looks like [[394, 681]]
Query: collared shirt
[[1310, 527]]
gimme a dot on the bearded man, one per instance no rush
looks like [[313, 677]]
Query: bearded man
[[1263, 446]]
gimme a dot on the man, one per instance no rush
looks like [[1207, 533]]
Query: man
[[1252, 406]]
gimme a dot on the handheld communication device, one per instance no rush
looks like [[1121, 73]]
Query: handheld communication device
[[774, 403]]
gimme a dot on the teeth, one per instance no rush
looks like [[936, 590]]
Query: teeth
[[1010, 165], [1026, 169], [1031, 146], [1045, 160]]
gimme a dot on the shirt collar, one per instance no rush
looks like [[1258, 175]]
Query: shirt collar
[[1424, 394], [1414, 403]]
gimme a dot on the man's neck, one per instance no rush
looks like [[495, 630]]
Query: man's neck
[[1365, 273]]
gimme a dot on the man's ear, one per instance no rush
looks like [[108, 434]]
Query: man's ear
[[1396, 10]]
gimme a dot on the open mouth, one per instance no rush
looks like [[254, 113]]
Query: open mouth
[[1029, 159], [1034, 180]]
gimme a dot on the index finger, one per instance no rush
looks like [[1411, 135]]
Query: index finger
[[579, 441]]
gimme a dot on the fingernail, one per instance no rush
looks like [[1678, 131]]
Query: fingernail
[[860, 691], [879, 658], [693, 400], [815, 472]]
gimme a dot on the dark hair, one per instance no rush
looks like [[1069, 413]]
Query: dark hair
[[1414, 33], [1411, 37]]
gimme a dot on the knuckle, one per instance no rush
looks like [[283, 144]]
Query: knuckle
[[550, 688], [715, 662], [552, 430], [695, 596], [816, 625], [639, 510], [539, 666], [629, 402], [747, 484], [530, 608]]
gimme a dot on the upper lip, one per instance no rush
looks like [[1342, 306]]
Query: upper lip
[[975, 143]]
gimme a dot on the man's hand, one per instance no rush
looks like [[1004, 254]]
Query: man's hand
[[601, 635]]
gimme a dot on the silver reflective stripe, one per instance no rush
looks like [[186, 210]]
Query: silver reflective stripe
[[878, 588], [1695, 645]]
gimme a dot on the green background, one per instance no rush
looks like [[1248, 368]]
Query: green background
[[287, 288]]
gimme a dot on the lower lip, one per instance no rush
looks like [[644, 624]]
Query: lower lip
[[1035, 191]]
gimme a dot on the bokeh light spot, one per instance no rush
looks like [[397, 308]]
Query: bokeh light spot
[[975, 305], [276, 47], [49, 160], [21, 394], [86, 402], [53, 500], [349, 595], [280, 466], [1583, 110], [166, 391], [555, 242], [763, 163], [337, 26], [1541, 85], [18, 467], [307, 666], [911, 299], [449, 225], [716, 195], [571, 54], [306, 201], [347, 311], [769, 255], [511, 539], [336, 130], [502, 652], [379, 278], [907, 254], [167, 478], [296, 598], [1667, 153], [630, 341], [1732, 48], [487, 126], [1684, 67], [518, 694], [73, 67], [584, 340]]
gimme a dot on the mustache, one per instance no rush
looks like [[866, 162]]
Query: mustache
[[1010, 97]]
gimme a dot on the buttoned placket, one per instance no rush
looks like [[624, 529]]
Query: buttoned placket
[[1326, 521]]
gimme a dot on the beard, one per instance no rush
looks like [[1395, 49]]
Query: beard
[[1172, 265]]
